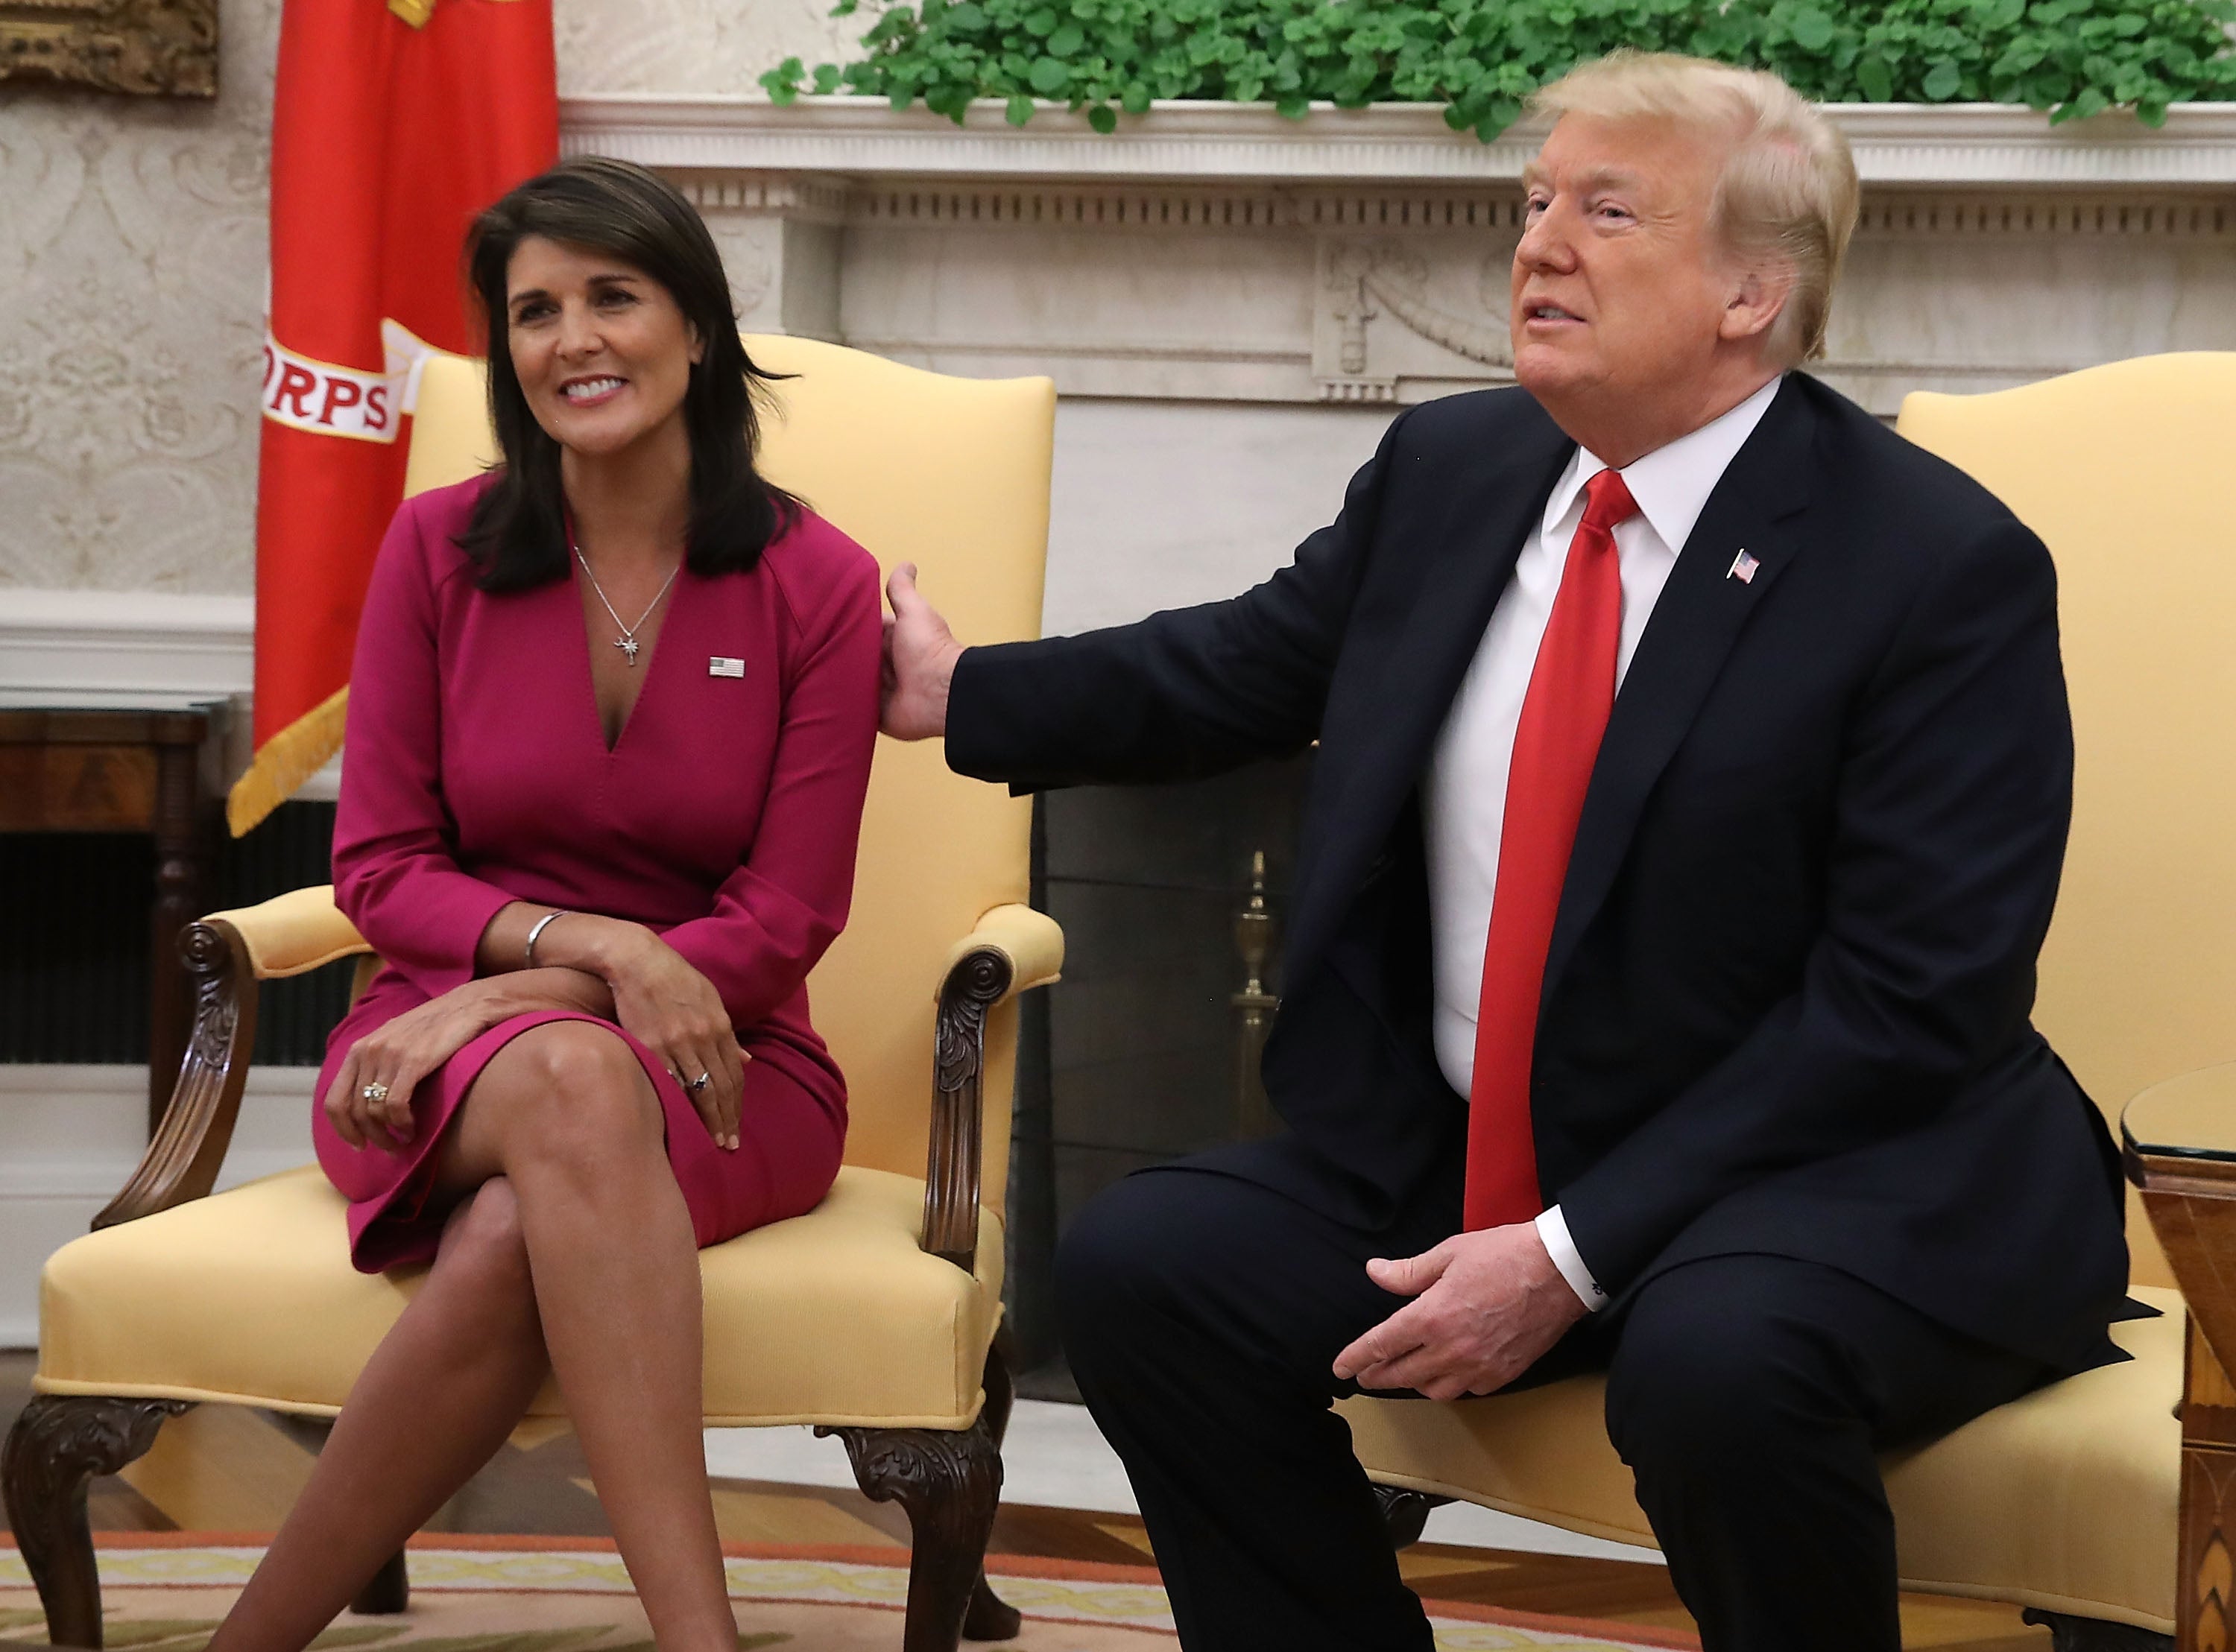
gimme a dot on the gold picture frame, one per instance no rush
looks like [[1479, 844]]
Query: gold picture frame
[[160, 48]]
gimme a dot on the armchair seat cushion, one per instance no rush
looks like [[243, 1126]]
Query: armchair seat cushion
[[2065, 1499], [249, 1297]]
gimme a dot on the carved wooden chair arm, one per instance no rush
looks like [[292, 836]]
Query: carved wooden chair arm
[[227, 954], [1013, 949]]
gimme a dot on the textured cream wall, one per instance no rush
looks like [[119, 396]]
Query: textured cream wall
[[132, 241], [132, 255]]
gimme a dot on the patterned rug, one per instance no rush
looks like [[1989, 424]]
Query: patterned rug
[[165, 1592]]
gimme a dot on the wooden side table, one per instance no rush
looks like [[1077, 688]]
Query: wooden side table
[[2180, 1141], [98, 770]]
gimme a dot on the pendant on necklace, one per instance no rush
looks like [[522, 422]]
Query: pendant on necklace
[[627, 646]]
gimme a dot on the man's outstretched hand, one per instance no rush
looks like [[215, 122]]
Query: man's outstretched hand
[[919, 662], [1485, 1305]]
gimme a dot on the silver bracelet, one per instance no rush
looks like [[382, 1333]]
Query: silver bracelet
[[527, 952]]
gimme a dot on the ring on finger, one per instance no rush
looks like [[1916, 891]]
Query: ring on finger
[[375, 1091], [699, 1083]]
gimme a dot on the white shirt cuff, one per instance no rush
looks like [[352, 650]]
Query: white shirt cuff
[[1553, 1229]]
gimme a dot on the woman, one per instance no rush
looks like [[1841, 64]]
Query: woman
[[611, 728]]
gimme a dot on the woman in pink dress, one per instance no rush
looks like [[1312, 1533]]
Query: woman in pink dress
[[610, 727]]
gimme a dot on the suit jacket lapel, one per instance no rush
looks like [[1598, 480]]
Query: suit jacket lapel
[[1375, 748], [1697, 620]]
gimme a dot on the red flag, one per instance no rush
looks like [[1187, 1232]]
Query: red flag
[[393, 123]]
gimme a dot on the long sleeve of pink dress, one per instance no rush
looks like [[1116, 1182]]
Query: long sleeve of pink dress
[[725, 818]]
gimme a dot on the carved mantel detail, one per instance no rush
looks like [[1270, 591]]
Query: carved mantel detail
[[1464, 334]]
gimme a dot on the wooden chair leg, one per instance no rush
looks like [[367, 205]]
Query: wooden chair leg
[[387, 1591], [988, 1618], [949, 1483], [2093, 1634], [58, 1443], [1404, 1513]]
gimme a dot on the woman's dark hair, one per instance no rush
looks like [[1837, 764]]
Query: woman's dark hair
[[518, 537]]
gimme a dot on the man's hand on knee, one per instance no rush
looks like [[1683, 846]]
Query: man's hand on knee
[[1485, 1305]]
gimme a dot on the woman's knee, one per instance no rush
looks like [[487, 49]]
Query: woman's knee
[[574, 1093], [485, 1245]]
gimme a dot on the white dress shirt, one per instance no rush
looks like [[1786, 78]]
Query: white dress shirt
[[1465, 794]]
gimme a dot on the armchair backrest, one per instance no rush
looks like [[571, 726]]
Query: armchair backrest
[[2113, 467], [953, 475]]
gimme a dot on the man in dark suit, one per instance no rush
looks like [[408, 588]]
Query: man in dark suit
[[1694, 776]]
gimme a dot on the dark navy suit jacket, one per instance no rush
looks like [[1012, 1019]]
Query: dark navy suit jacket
[[1786, 1005]]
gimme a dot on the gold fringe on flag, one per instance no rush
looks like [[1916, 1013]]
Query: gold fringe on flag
[[286, 761]]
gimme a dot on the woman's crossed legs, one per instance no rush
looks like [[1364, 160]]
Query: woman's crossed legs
[[568, 1247]]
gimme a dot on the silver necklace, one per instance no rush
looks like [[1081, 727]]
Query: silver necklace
[[626, 641]]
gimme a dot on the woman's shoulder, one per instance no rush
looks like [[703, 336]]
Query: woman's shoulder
[[428, 525], [821, 570], [443, 512]]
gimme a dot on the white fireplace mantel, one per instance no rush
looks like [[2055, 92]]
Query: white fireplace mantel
[[1390, 143], [1220, 252]]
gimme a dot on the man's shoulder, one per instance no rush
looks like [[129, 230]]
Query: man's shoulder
[[1479, 423], [1886, 474]]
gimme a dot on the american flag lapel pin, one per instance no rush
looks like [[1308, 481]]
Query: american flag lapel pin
[[1742, 568]]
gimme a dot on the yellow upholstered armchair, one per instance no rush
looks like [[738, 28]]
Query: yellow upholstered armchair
[[2100, 1503], [874, 1316]]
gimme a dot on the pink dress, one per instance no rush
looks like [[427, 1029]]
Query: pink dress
[[725, 817]]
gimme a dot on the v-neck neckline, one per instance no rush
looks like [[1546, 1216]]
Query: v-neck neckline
[[652, 651]]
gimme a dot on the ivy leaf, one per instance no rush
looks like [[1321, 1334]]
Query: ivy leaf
[[965, 18], [1813, 30], [1020, 109], [1049, 75], [1067, 41], [1293, 106], [1876, 79], [1941, 81], [1103, 119]]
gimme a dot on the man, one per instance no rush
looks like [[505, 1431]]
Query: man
[[1680, 1031]]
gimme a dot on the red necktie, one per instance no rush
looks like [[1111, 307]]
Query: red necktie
[[1563, 715]]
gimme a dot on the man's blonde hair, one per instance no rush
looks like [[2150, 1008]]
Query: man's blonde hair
[[1788, 192]]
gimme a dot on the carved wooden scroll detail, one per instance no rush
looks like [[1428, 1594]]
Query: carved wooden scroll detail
[[183, 1162], [949, 1484], [58, 1443], [979, 982]]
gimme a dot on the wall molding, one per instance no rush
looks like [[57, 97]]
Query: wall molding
[[139, 650], [1895, 144]]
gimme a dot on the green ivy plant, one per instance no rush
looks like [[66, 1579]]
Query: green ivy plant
[[1481, 58]]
